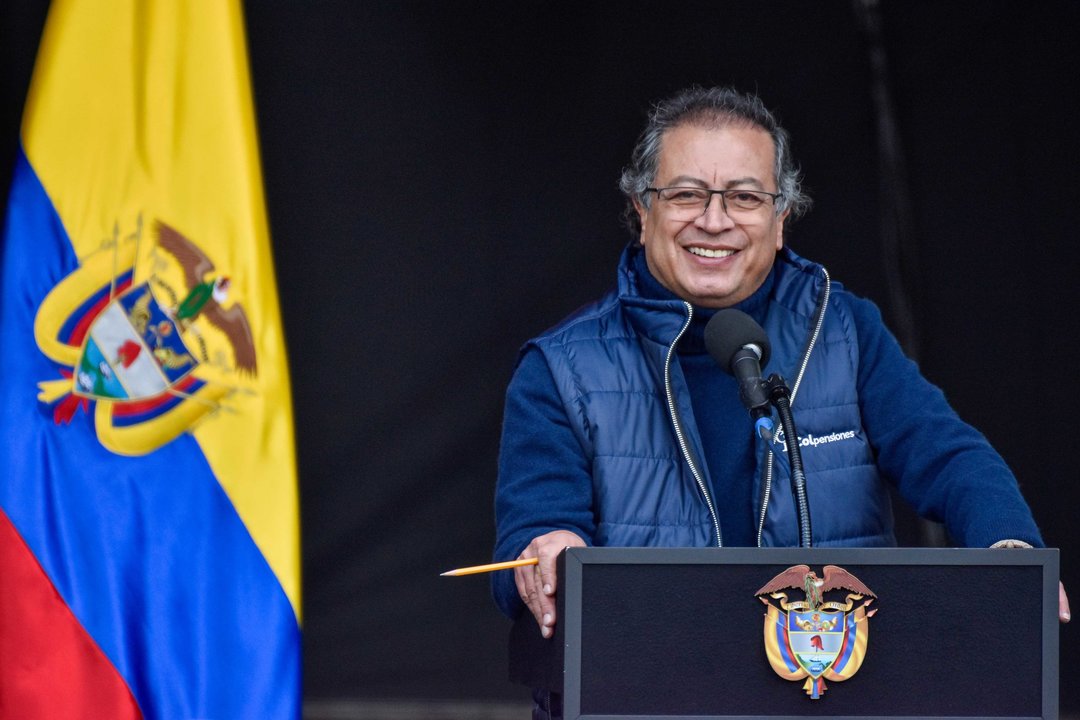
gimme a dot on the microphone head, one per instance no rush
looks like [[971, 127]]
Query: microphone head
[[731, 330]]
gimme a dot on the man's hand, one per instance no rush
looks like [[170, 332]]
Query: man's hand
[[1064, 615], [537, 584]]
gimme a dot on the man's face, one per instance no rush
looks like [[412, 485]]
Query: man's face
[[713, 260]]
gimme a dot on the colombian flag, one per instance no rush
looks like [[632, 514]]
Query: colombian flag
[[149, 540]]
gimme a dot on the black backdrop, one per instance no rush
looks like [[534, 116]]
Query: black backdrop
[[441, 186]]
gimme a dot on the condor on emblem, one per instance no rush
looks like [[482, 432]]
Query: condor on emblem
[[813, 638]]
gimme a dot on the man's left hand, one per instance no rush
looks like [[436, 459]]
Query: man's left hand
[[1063, 599]]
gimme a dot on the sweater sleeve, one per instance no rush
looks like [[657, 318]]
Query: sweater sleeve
[[942, 466], [545, 480]]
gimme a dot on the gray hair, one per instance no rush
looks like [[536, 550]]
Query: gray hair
[[710, 107]]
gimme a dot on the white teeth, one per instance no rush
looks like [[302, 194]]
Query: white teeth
[[705, 252]]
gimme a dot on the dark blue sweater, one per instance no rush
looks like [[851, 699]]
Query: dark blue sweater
[[545, 481]]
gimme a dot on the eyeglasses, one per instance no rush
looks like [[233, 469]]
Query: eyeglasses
[[693, 201]]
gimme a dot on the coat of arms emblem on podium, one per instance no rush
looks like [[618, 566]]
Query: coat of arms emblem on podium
[[816, 638]]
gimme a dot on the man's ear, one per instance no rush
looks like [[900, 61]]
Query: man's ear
[[780, 230], [643, 214]]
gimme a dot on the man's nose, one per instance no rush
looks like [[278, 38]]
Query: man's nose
[[715, 216]]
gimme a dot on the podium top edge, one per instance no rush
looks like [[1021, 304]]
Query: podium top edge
[[815, 556]]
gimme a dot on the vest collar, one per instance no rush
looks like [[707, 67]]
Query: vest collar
[[660, 319]]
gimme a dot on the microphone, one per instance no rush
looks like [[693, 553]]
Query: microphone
[[739, 345]]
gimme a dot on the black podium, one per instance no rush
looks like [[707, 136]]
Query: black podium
[[682, 633]]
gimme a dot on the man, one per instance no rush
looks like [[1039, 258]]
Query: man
[[621, 430]]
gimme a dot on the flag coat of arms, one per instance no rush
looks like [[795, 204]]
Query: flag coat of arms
[[149, 533]]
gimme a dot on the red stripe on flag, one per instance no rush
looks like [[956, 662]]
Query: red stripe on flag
[[50, 667]]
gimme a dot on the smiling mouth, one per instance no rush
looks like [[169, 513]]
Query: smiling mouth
[[705, 252]]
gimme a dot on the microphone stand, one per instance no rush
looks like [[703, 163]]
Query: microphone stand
[[780, 397]]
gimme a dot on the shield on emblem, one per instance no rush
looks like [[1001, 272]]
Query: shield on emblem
[[133, 350], [816, 639]]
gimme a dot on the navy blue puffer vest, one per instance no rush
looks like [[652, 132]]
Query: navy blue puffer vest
[[619, 378]]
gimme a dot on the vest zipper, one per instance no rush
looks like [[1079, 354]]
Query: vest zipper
[[678, 425], [794, 390]]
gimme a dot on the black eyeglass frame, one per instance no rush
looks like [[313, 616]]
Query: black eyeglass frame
[[722, 193]]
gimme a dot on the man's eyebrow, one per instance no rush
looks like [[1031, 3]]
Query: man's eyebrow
[[745, 181], [684, 180], [690, 180]]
